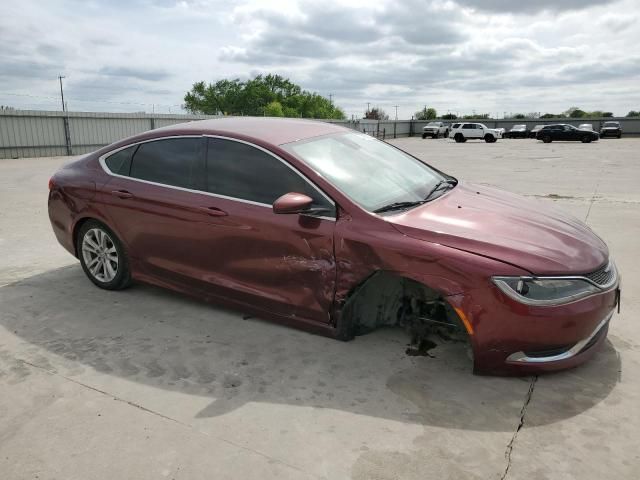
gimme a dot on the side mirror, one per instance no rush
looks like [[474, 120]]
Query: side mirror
[[292, 203]]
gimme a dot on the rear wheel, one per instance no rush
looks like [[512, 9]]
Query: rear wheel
[[102, 256], [546, 138], [586, 139], [459, 138]]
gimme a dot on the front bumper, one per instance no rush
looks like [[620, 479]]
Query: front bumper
[[511, 338]]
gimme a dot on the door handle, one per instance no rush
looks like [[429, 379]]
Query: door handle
[[121, 194], [213, 211]]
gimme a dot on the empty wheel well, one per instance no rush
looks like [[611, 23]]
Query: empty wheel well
[[387, 299]]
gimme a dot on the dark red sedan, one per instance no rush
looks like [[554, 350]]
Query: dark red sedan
[[318, 226]]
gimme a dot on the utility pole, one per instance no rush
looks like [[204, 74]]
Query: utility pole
[[396, 107], [368, 103], [60, 77], [331, 99]]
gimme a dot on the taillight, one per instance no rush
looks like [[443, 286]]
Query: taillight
[[51, 184]]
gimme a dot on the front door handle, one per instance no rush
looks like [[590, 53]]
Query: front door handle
[[213, 211], [121, 193]]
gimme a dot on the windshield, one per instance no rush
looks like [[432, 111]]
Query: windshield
[[370, 172]]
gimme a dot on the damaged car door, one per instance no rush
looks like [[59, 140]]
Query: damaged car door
[[283, 263]]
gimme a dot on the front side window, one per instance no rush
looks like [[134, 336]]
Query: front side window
[[468, 126], [177, 162], [241, 171], [370, 172], [456, 125]]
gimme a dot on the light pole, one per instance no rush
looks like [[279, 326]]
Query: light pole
[[60, 77], [396, 107]]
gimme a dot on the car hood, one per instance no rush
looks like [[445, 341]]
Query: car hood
[[507, 227]]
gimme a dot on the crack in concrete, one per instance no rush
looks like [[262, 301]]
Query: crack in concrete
[[523, 412], [157, 414]]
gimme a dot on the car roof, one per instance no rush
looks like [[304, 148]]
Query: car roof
[[276, 131]]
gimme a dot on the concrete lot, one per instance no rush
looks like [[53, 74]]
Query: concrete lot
[[147, 384]]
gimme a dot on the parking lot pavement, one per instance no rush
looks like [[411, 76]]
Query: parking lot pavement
[[149, 384]]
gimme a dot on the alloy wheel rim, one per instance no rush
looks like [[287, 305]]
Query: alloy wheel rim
[[100, 255]]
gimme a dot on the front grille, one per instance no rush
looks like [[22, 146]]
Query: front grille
[[603, 276]]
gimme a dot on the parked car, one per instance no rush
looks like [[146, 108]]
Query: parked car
[[611, 129], [563, 131], [435, 129], [465, 131], [501, 132], [317, 226], [586, 126], [518, 131], [534, 131]]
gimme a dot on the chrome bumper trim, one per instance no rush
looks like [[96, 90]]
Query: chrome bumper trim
[[521, 357]]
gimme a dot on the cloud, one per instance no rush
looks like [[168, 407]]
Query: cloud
[[140, 73], [530, 6], [483, 55]]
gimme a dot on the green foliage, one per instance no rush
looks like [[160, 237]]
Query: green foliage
[[633, 113], [607, 114], [519, 116], [376, 114], [449, 116], [270, 95], [274, 109], [552, 115], [426, 114], [477, 116]]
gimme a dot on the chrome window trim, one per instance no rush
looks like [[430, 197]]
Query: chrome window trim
[[542, 303], [102, 160]]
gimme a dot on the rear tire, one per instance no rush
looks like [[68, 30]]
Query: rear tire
[[102, 256], [546, 139], [459, 138], [586, 139]]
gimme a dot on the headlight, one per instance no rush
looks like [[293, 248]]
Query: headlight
[[545, 291]]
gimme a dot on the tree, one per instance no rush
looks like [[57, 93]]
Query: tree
[[449, 116], [274, 109], [633, 113], [519, 116], [552, 115], [607, 114], [426, 114], [271, 95], [376, 114]]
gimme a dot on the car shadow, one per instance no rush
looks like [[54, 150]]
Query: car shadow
[[66, 325]]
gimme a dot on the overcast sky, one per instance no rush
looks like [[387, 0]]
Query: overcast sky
[[462, 55]]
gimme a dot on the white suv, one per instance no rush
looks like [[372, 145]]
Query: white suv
[[462, 132], [435, 129]]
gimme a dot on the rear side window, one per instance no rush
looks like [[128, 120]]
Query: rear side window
[[241, 171], [456, 125], [177, 162], [468, 125], [120, 162]]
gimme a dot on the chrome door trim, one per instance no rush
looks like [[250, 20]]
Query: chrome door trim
[[102, 161]]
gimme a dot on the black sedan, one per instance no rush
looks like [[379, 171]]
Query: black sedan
[[563, 131], [611, 129], [518, 131]]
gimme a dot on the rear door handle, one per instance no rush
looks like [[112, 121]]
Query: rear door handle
[[213, 211], [121, 193]]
